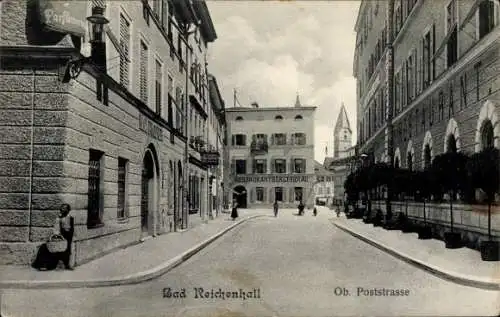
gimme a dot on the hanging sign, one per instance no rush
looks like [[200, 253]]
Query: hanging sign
[[68, 17], [210, 158]]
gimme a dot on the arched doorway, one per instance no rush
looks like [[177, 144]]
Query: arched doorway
[[427, 156], [487, 135], [148, 192], [240, 195]]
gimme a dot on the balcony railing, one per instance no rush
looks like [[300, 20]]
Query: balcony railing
[[259, 147]]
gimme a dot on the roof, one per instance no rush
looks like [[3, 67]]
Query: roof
[[342, 120], [250, 109]]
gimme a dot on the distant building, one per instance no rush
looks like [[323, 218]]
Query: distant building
[[343, 153], [324, 187], [271, 151]]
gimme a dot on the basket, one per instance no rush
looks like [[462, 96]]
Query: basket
[[57, 243]]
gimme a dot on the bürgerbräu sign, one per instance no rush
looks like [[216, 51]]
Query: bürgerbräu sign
[[270, 179], [68, 17]]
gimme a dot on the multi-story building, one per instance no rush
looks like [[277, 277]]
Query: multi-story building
[[100, 124], [427, 78], [324, 186], [428, 81], [343, 153], [216, 142], [271, 151]]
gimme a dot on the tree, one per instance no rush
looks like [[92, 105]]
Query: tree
[[450, 174], [484, 172]]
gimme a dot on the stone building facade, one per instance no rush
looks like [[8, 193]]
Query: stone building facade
[[271, 151], [324, 186], [428, 80], [109, 142]]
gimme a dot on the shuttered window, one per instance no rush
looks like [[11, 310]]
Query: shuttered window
[[158, 87], [122, 179], [157, 8], [95, 197], [170, 88], [143, 73], [125, 45], [179, 108]]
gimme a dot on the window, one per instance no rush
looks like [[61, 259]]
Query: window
[[259, 193], [241, 167], [124, 44], [328, 190], [170, 87], [164, 14], [145, 11], [143, 74], [279, 166], [426, 60], [487, 16], [278, 117], [427, 156], [451, 23], [487, 135], [179, 49], [299, 165], [260, 166], [259, 139], [298, 117], [298, 139], [410, 77], [95, 196], [298, 191], [409, 161], [179, 113], [122, 180], [441, 106], [278, 194], [279, 139], [239, 118], [158, 88], [239, 139], [157, 8]]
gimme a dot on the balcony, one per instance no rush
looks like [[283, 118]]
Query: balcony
[[259, 147], [197, 143]]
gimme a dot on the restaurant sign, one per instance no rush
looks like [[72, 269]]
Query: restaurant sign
[[324, 178], [68, 17], [210, 158], [270, 179], [151, 129]]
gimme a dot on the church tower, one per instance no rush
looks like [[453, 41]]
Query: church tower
[[342, 135]]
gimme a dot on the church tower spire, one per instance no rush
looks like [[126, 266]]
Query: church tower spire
[[297, 101], [342, 134]]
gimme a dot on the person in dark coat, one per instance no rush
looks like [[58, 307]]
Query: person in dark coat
[[275, 208], [301, 208], [65, 225], [234, 211]]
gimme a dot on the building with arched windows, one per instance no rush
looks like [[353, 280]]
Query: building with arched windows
[[101, 124], [428, 79], [271, 154]]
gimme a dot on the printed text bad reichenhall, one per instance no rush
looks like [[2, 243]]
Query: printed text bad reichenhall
[[211, 293]]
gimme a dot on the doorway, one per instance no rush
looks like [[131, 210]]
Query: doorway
[[240, 195], [147, 193]]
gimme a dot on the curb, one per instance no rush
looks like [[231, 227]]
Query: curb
[[134, 278], [450, 276]]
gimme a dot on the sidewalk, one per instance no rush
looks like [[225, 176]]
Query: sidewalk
[[137, 263], [463, 266]]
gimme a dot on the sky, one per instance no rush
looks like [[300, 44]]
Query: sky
[[271, 50]]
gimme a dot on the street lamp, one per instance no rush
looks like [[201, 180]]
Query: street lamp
[[96, 22]]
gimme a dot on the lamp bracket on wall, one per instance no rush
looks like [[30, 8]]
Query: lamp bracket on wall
[[73, 68]]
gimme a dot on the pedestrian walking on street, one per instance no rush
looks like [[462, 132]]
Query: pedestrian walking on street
[[315, 211], [65, 226], [275, 207], [234, 211], [301, 208]]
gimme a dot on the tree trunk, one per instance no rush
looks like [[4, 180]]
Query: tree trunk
[[489, 217], [451, 210]]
